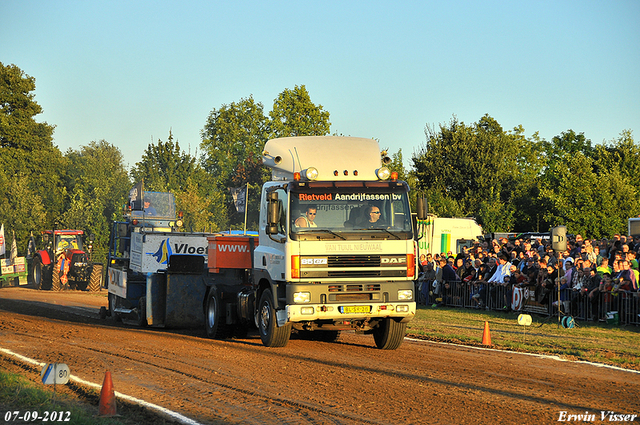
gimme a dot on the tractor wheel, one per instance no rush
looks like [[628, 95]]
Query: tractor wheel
[[56, 285], [37, 273], [95, 279]]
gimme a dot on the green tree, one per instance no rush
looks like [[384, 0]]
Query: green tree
[[474, 171], [165, 167], [232, 143], [28, 159], [98, 185], [566, 144], [21, 210], [294, 114], [622, 154], [588, 202]]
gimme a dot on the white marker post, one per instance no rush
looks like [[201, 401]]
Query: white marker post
[[524, 320]]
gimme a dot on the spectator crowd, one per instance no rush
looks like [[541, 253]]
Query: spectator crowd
[[589, 280]]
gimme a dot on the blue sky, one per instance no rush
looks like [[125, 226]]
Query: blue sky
[[129, 71]]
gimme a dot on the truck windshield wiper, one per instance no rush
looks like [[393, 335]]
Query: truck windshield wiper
[[308, 231], [380, 229]]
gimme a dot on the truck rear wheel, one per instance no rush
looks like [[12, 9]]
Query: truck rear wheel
[[214, 323], [112, 306], [95, 278], [270, 334], [389, 334], [142, 312]]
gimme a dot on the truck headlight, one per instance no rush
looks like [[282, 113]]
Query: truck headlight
[[383, 173], [310, 173], [301, 297], [405, 295]]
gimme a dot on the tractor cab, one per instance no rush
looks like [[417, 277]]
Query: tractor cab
[[59, 241]]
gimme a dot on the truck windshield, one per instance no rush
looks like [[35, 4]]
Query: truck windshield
[[349, 210], [157, 205]]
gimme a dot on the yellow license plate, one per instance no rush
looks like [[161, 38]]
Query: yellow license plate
[[356, 309]]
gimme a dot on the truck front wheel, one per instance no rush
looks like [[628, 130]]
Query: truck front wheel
[[214, 317], [389, 334], [270, 334]]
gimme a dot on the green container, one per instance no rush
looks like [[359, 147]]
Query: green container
[[613, 318]]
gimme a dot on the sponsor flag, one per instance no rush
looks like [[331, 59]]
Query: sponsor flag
[[136, 196], [239, 195], [14, 248], [3, 249], [31, 248]]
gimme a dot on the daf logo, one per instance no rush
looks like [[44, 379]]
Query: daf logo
[[394, 260]]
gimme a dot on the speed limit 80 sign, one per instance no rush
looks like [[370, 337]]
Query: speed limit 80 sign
[[55, 373]]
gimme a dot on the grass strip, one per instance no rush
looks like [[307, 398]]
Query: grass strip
[[588, 341]]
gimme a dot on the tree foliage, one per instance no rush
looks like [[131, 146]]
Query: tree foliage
[[508, 181], [98, 185], [30, 165], [234, 137], [165, 167], [473, 170], [592, 191], [294, 114], [232, 142], [513, 183]]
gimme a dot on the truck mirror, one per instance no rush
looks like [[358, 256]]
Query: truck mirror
[[423, 208], [559, 238], [273, 214]]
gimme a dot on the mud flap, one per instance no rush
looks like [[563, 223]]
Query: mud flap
[[282, 317]]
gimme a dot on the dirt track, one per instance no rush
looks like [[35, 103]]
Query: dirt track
[[348, 382]]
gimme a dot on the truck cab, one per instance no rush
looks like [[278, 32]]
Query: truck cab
[[336, 247]]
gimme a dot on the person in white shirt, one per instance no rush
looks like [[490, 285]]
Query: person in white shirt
[[308, 219], [503, 270]]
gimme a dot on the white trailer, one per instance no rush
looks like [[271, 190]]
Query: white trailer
[[444, 234], [634, 226]]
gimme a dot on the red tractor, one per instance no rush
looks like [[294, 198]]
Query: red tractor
[[65, 263]]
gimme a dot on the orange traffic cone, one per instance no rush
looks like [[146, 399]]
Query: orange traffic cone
[[486, 336], [107, 405]]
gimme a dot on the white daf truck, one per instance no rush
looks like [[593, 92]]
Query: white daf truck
[[335, 250]]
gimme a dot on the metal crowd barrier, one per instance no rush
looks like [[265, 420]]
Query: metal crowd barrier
[[616, 308]]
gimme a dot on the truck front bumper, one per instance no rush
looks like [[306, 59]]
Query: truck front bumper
[[344, 312]]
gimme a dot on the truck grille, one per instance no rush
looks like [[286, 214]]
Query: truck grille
[[370, 287], [353, 266], [353, 261]]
